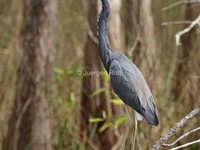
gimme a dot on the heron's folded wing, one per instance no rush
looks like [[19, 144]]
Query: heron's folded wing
[[123, 88]]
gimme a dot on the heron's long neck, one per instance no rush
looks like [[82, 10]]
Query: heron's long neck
[[102, 32]]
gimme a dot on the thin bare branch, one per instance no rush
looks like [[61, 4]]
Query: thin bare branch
[[90, 33], [88, 27], [176, 128], [181, 137], [180, 33], [176, 22], [179, 3], [20, 117], [192, 1], [185, 145], [132, 49], [173, 5]]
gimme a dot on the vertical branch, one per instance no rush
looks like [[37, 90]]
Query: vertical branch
[[149, 38], [30, 123], [186, 59], [93, 106]]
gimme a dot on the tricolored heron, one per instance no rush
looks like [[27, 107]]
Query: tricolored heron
[[126, 79]]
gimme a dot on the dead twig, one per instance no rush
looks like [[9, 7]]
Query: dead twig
[[176, 22], [88, 27], [192, 1], [179, 3], [181, 137], [180, 33], [185, 145], [173, 5], [176, 128], [132, 49]]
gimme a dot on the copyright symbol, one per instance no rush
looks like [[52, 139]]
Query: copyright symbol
[[79, 72]]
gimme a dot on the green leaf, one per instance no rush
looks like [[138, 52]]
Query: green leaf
[[62, 133], [92, 120], [104, 126], [120, 120], [106, 76], [117, 101], [104, 114], [70, 72], [97, 92], [58, 70], [58, 78], [71, 100]]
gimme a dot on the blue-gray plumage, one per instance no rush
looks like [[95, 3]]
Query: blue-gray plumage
[[126, 79]]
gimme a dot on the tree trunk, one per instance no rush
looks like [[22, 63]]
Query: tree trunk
[[149, 40], [30, 123], [93, 106], [140, 29], [115, 26], [133, 30], [188, 64]]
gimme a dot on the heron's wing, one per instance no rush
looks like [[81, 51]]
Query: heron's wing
[[123, 88], [132, 88], [146, 99]]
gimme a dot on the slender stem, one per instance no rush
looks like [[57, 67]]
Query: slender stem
[[129, 118], [135, 134], [127, 129], [185, 145], [125, 136]]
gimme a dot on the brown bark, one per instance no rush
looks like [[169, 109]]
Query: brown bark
[[149, 39], [186, 80], [188, 64], [30, 123], [140, 24], [115, 26], [133, 30], [93, 106]]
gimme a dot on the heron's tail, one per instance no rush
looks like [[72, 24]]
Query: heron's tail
[[102, 24], [151, 116]]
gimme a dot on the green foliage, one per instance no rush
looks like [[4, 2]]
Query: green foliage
[[104, 114], [63, 130], [97, 92], [71, 100], [120, 120], [104, 126], [117, 101], [106, 76], [60, 73], [58, 70], [108, 122], [94, 120]]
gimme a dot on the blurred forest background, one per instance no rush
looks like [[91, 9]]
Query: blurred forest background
[[46, 46]]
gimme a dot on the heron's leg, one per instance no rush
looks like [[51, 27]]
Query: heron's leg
[[125, 136], [129, 118], [127, 129], [135, 134]]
